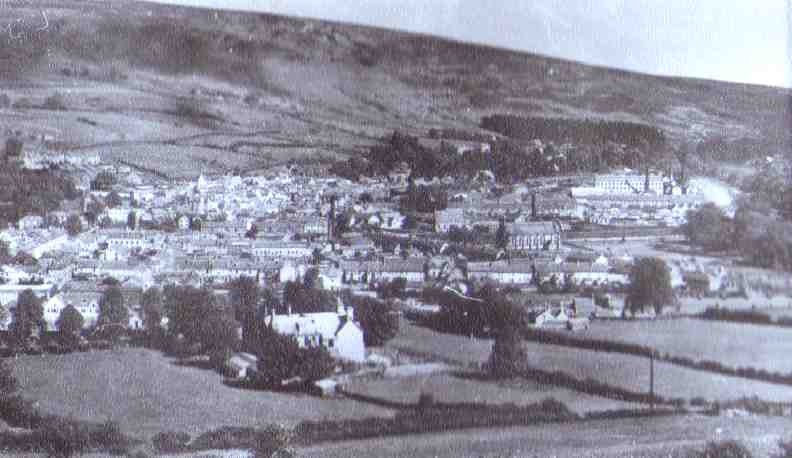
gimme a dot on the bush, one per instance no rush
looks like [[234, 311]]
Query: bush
[[63, 437], [723, 449], [108, 436], [786, 449], [55, 102], [19, 412], [171, 442], [227, 437]]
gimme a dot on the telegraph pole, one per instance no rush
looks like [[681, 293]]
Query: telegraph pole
[[651, 381]]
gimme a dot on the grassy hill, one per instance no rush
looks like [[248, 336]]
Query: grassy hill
[[244, 89]]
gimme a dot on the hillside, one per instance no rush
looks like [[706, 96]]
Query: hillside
[[140, 81]]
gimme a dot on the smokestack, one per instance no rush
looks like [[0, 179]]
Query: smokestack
[[533, 205]]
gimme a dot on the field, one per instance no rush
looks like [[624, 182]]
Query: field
[[642, 437], [146, 393], [456, 388], [731, 344], [630, 372]]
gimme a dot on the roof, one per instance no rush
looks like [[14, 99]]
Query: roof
[[326, 324]]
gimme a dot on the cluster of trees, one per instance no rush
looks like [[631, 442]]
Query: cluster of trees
[[580, 131], [588, 147], [32, 192], [423, 199], [760, 233]]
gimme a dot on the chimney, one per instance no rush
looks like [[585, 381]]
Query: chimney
[[533, 205]]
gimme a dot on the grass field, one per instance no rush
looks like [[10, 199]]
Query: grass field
[[731, 344], [625, 371], [452, 388], [146, 393], [625, 438]]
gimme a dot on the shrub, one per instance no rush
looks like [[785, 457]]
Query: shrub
[[171, 442], [274, 440], [55, 102], [108, 436], [19, 412], [698, 401], [227, 437], [723, 449], [63, 437]]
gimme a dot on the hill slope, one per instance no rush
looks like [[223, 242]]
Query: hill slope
[[246, 89]]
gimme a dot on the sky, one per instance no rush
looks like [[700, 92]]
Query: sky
[[733, 40]]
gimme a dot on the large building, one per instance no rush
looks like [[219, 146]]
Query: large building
[[534, 236], [629, 183]]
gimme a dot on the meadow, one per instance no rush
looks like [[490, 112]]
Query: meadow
[[731, 344], [625, 371], [463, 388], [147, 393]]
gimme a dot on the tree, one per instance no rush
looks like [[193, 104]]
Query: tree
[[113, 199], [501, 236], [379, 320], [508, 321], [219, 336], [73, 225], [69, 324], [13, 146], [103, 181], [708, 227], [409, 222], [111, 308], [281, 358], [55, 102], [244, 299], [29, 313], [190, 307], [650, 284], [303, 299], [151, 301], [132, 220]]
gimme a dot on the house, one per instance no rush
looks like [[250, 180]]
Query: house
[[552, 318], [241, 365], [448, 218], [335, 331]]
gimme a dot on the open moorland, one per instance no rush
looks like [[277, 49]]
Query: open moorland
[[130, 74], [147, 393], [731, 344], [625, 371]]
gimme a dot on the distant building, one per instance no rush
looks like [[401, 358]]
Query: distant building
[[448, 218], [534, 236]]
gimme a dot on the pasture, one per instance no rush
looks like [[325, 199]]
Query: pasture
[[731, 344], [626, 371], [147, 393], [461, 388]]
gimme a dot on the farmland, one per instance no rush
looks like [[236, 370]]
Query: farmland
[[644, 437], [147, 393], [460, 388], [626, 371], [731, 344]]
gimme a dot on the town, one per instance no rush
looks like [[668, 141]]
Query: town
[[240, 234]]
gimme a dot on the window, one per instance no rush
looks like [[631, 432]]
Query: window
[[331, 343]]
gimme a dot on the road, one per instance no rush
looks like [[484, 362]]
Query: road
[[642, 437]]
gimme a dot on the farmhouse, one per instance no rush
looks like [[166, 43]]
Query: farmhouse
[[335, 331]]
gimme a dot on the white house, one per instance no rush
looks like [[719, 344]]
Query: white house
[[335, 331]]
